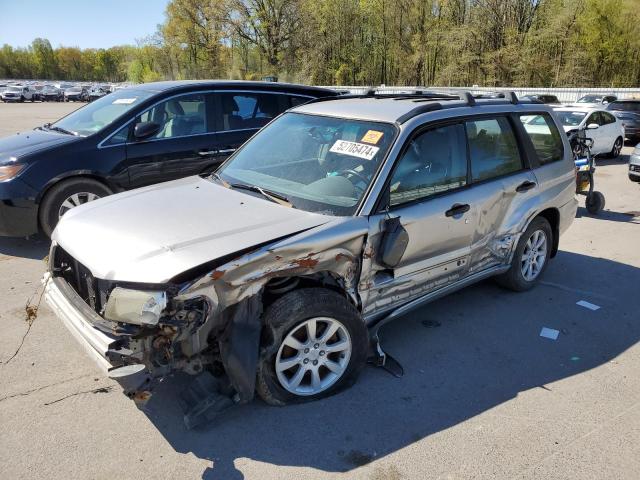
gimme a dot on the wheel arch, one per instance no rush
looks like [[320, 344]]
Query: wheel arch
[[552, 215]]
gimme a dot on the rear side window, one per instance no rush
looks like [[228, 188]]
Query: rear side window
[[295, 101], [544, 136], [247, 110], [493, 148]]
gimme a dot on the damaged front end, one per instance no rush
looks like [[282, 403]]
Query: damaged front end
[[205, 321]]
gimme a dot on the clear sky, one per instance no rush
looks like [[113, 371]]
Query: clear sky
[[79, 23]]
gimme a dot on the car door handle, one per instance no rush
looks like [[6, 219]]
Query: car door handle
[[457, 209], [205, 153], [226, 151], [525, 186]]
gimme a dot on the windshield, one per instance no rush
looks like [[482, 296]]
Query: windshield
[[571, 119], [98, 114], [319, 164], [626, 106], [590, 99]]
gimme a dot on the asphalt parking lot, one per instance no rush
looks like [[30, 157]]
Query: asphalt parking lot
[[483, 395]]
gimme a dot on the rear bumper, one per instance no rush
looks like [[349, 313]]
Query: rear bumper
[[76, 315], [567, 214]]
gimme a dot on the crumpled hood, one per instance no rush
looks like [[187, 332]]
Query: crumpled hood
[[154, 233], [25, 143]]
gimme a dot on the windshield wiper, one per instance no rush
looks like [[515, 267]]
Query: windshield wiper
[[48, 126], [269, 195]]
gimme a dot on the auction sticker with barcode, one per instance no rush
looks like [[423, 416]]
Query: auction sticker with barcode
[[354, 149]]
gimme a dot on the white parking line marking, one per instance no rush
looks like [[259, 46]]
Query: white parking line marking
[[590, 306], [549, 333]]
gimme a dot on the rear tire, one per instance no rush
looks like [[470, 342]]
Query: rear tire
[[290, 315], [617, 148], [514, 278], [51, 204]]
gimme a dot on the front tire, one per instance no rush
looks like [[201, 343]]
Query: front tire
[[66, 195], [531, 257], [314, 344]]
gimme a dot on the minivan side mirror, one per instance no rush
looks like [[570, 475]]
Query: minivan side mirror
[[592, 126], [144, 130]]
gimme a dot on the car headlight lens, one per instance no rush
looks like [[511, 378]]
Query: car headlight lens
[[7, 172], [135, 306]]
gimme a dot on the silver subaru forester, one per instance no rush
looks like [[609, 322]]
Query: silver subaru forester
[[274, 274]]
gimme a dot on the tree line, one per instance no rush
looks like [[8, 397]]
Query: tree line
[[366, 42]]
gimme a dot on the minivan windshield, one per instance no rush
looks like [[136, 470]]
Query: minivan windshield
[[571, 119], [98, 114], [317, 163]]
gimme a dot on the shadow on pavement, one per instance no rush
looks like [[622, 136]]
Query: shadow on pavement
[[35, 247], [625, 217], [484, 351]]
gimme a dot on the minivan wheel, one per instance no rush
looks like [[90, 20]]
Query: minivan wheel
[[66, 195], [530, 258], [314, 344]]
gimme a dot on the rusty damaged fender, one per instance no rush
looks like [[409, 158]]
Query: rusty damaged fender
[[233, 290]]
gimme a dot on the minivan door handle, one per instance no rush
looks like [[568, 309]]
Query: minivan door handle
[[525, 186], [457, 209]]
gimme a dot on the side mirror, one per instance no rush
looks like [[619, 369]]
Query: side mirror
[[592, 126], [394, 243], [144, 130]]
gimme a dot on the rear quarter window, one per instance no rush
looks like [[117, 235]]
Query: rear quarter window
[[544, 136]]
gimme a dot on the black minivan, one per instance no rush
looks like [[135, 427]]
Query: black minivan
[[130, 138]]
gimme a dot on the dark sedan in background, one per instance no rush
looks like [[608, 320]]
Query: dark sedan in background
[[133, 137], [628, 112]]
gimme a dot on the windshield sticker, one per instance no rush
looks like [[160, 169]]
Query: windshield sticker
[[354, 149], [372, 136], [124, 101]]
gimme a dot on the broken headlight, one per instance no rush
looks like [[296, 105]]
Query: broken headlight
[[135, 306]]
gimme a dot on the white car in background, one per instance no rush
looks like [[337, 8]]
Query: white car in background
[[595, 101], [604, 128]]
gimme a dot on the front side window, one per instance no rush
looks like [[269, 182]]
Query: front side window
[[320, 164], [544, 136], [493, 148], [179, 117], [97, 115], [607, 118], [435, 161], [245, 110]]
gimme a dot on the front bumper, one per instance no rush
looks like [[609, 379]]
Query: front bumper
[[18, 209], [567, 214], [634, 170], [77, 316]]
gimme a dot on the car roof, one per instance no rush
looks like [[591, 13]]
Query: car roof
[[172, 85], [398, 108]]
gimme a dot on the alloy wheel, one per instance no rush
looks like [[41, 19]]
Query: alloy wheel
[[313, 356], [534, 255], [75, 200]]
